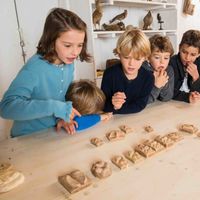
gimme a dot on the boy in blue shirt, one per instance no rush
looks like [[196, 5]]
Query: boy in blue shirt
[[127, 85], [89, 100]]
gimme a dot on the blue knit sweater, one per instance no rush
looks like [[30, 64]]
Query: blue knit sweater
[[36, 97]]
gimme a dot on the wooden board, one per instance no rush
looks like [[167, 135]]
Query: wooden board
[[172, 174]]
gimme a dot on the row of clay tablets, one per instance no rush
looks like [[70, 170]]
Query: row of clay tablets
[[77, 180], [113, 135]]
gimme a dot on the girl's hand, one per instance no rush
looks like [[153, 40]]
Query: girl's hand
[[74, 113], [69, 127], [194, 97], [106, 116], [192, 70], [118, 99]]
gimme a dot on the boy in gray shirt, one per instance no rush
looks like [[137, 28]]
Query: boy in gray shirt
[[158, 63]]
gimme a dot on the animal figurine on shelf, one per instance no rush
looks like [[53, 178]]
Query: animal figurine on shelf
[[160, 21], [148, 19], [119, 17], [188, 7], [97, 14], [114, 27]]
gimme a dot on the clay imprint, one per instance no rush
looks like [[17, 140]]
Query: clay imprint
[[9, 177], [115, 135], [96, 141], [189, 128], [154, 145], [175, 136], [74, 181], [165, 140], [145, 150], [120, 162], [133, 156], [148, 129], [101, 169], [126, 129]]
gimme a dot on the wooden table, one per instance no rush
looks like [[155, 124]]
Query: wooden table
[[173, 174]]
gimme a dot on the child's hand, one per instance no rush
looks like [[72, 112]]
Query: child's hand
[[106, 116], [74, 113], [69, 127], [192, 70], [118, 99], [161, 78], [194, 97]]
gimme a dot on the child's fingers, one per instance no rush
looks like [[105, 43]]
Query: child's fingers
[[69, 128], [162, 72], [75, 124], [59, 125], [109, 115], [120, 95], [76, 113]]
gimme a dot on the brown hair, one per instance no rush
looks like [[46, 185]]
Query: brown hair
[[57, 22], [191, 38], [133, 40], [86, 97], [161, 44]]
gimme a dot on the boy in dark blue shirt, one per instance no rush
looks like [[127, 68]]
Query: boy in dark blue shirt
[[127, 85]]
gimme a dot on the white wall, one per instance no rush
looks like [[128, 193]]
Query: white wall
[[186, 22], [32, 15]]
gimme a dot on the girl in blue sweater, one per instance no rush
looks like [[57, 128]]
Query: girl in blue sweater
[[35, 99]]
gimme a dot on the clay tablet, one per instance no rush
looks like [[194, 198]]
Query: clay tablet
[[96, 141], [189, 128], [133, 156], [175, 136], [165, 140], [115, 135], [155, 145], [9, 177], [101, 169], [74, 181], [145, 150], [126, 129], [148, 129], [120, 162]]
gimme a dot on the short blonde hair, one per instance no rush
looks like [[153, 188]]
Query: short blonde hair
[[133, 40], [86, 97]]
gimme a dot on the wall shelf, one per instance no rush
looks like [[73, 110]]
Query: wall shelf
[[102, 43], [112, 34]]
